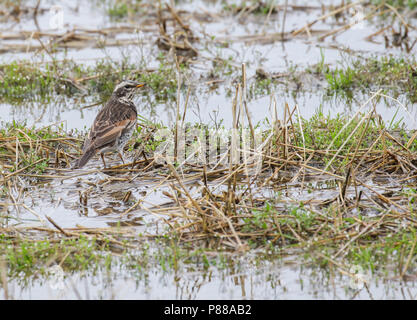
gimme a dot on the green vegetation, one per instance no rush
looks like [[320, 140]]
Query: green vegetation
[[27, 257], [222, 68], [121, 9], [118, 10], [23, 82], [259, 88], [30, 150], [321, 130], [346, 135], [394, 75], [377, 252], [272, 225], [411, 4], [90, 254], [318, 192], [255, 6], [340, 79], [163, 81]]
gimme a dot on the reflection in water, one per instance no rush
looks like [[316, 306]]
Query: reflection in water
[[243, 279], [209, 108], [238, 277]]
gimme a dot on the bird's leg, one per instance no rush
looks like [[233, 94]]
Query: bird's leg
[[102, 159], [121, 157]]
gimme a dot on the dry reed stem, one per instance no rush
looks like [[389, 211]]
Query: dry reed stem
[[332, 13]]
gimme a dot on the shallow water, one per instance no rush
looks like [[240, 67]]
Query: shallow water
[[273, 57], [283, 279], [280, 279], [210, 108]]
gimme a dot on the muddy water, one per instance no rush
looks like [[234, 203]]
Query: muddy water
[[275, 280]]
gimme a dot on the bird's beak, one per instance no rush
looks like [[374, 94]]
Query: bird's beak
[[140, 85]]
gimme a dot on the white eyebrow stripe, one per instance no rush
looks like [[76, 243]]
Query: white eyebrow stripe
[[124, 83]]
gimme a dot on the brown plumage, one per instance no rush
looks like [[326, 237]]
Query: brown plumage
[[113, 126]]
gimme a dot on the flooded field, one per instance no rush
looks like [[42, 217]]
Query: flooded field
[[297, 125]]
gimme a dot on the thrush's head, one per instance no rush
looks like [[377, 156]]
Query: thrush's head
[[126, 89]]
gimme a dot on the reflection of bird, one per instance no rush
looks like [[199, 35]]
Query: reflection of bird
[[113, 126]]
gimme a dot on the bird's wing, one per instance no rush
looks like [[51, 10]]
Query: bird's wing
[[108, 126]]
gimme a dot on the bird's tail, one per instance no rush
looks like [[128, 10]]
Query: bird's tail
[[84, 158]]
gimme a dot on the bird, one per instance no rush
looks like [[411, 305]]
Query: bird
[[113, 125]]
